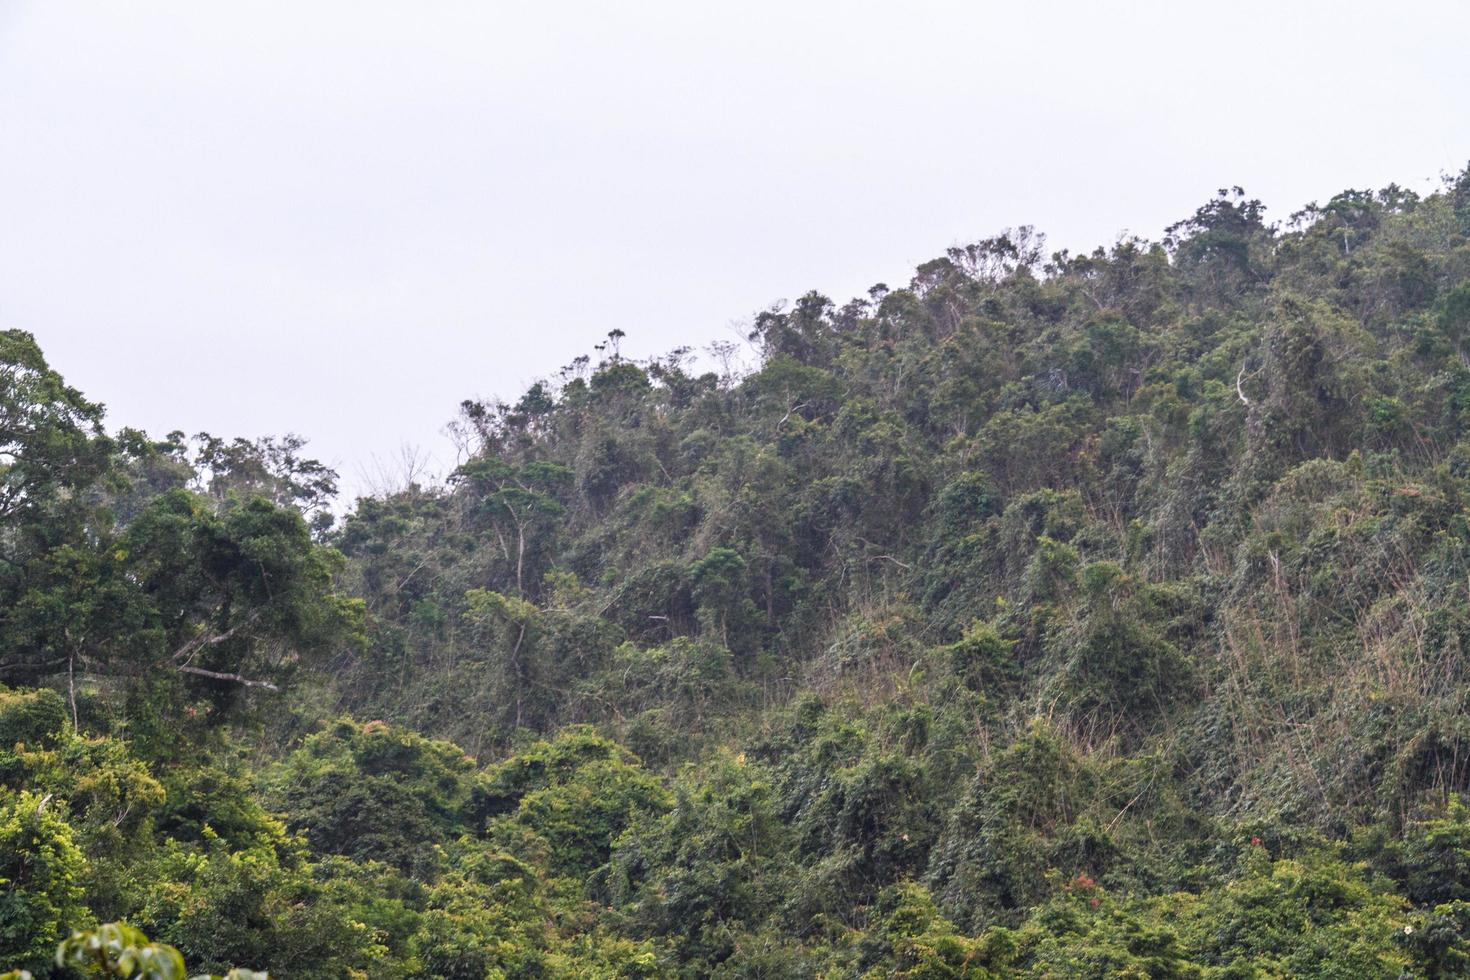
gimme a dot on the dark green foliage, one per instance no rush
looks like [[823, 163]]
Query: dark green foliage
[[1110, 666], [709, 867], [909, 938], [51, 438], [34, 718], [371, 791], [1431, 858], [1025, 813]]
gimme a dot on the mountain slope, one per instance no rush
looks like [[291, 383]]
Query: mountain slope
[[1048, 616]]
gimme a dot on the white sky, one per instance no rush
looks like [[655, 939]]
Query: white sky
[[342, 218]]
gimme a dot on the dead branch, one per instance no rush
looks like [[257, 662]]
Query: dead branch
[[192, 647], [221, 676]]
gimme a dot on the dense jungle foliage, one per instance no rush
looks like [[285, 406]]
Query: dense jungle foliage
[[1098, 615]]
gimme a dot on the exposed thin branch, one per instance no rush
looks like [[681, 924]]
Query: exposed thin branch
[[71, 687], [192, 647], [221, 676], [32, 665]]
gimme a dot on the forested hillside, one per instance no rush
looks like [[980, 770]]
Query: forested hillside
[[1050, 615]]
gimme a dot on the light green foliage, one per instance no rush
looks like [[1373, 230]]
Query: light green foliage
[[118, 950], [110, 800], [258, 906], [910, 939], [41, 871], [567, 801], [1313, 914], [487, 918], [1084, 932]]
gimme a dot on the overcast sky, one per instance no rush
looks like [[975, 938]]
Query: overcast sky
[[342, 218]]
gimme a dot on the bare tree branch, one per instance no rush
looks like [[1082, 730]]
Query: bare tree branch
[[220, 676], [192, 647]]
